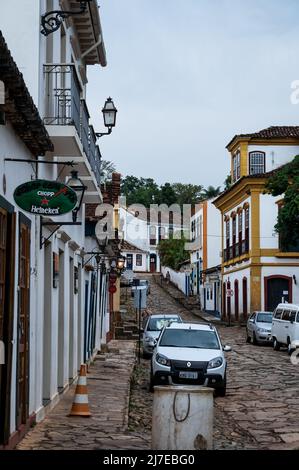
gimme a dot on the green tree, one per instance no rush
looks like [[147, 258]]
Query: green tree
[[211, 192], [285, 181], [227, 182], [187, 193], [107, 168], [140, 191], [167, 195], [172, 252]]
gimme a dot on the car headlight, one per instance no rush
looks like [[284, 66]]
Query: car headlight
[[262, 330], [164, 361], [217, 362], [148, 339]]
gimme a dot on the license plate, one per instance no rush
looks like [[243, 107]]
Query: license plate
[[188, 375]]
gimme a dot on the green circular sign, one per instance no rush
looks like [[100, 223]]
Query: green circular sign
[[47, 198]]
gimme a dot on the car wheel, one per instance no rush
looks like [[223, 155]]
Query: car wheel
[[290, 349], [254, 340], [152, 381], [276, 345], [221, 391], [248, 339], [146, 355]]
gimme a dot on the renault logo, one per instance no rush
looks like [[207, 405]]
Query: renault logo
[[189, 364]]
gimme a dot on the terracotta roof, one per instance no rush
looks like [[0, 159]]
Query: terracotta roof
[[273, 132], [19, 107], [126, 246]]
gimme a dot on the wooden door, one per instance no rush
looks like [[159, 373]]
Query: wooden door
[[236, 293], [7, 275], [278, 289], [153, 263], [23, 321]]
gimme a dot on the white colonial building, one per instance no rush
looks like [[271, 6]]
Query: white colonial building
[[257, 271], [60, 309], [205, 256]]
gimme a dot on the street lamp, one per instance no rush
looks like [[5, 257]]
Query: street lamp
[[121, 260], [77, 185], [109, 112]]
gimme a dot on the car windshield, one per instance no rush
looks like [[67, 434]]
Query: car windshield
[[156, 324], [264, 318], [201, 339]]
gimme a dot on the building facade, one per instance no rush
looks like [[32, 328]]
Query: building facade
[[54, 323], [257, 273], [205, 256]]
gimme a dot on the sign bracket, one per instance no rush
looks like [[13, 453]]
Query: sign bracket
[[58, 225]]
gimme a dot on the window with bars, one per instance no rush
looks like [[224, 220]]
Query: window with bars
[[256, 163]]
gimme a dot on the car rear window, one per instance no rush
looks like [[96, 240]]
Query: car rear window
[[200, 339], [156, 324]]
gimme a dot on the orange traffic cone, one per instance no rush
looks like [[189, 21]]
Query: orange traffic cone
[[80, 404]]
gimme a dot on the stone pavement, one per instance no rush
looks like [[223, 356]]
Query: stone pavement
[[108, 383], [261, 407]]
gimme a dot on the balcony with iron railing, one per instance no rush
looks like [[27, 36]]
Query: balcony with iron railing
[[62, 96], [64, 109], [232, 253]]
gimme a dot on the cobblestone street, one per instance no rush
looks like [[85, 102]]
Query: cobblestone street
[[261, 408]]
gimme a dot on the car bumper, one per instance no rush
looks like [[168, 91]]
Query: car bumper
[[172, 378], [264, 337]]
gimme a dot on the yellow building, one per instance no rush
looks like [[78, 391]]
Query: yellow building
[[256, 273]]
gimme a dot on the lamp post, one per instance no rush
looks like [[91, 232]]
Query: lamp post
[[77, 185], [109, 112]]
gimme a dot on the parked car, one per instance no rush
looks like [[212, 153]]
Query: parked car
[[285, 327], [188, 353], [258, 329], [153, 326]]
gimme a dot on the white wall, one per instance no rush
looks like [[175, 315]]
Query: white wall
[[213, 235], [268, 219], [284, 271], [177, 278], [232, 277], [276, 155]]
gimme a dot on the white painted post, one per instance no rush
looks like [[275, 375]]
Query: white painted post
[[182, 418]]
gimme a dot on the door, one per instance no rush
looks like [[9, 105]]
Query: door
[[153, 263], [23, 321], [278, 289], [130, 262], [7, 271], [236, 294]]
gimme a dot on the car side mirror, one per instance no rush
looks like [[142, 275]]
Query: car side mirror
[[227, 348]]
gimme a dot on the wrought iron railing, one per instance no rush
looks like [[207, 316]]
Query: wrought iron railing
[[62, 95], [84, 127], [94, 155]]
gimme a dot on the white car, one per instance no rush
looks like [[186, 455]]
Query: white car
[[285, 327], [189, 353], [153, 326]]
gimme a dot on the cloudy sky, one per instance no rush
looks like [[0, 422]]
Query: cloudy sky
[[187, 75]]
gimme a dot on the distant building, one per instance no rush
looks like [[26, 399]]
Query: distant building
[[205, 256]]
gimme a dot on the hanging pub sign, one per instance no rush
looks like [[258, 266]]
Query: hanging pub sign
[[48, 198]]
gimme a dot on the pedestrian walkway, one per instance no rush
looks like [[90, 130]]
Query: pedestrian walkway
[[108, 383]]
